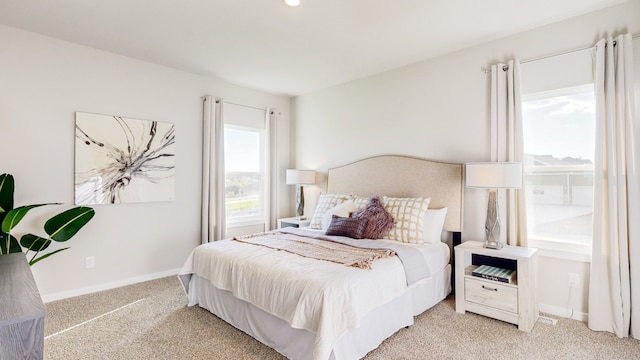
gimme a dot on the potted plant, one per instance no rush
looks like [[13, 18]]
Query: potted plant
[[60, 228]]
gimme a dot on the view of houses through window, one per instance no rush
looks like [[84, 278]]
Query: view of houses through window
[[559, 140], [243, 175]]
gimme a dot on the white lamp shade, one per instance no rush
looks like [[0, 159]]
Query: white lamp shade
[[300, 177], [494, 175]]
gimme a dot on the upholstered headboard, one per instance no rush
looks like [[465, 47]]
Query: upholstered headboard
[[404, 176]]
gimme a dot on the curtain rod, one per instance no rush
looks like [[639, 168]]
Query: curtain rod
[[247, 106], [232, 103], [505, 68]]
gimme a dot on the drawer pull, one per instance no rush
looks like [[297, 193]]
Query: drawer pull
[[489, 288]]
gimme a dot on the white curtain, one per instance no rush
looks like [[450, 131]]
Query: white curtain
[[507, 145], [213, 176], [272, 174], [614, 289]]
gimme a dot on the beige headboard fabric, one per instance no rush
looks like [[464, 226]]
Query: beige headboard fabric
[[404, 176]]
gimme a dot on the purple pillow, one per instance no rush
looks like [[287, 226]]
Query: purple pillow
[[344, 226], [379, 221]]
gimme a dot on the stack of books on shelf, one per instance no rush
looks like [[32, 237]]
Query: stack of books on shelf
[[495, 273]]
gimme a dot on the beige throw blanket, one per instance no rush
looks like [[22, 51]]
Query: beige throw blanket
[[318, 248]]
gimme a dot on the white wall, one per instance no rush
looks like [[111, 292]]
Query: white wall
[[439, 109], [43, 81]]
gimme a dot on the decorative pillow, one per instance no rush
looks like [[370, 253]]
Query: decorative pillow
[[346, 226], [360, 201], [343, 210], [325, 202], [408, 214], [433, 224], [379, 221]]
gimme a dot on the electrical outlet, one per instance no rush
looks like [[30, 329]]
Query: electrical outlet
[[89, 262], [574, 281]]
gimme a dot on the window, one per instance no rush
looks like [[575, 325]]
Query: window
[[559, 148], [243, 175], [246, 164]]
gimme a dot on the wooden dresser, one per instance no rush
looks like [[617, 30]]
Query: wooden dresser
[[21, 310]]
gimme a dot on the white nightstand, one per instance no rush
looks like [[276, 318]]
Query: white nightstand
[[515, 302], [293, 222]]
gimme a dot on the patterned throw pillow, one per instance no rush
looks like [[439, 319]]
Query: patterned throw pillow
[[360, 201], [325, 202], [408, 214], [345, 226], [379, 221]]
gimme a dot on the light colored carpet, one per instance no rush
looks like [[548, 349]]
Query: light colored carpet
[[150, 320]]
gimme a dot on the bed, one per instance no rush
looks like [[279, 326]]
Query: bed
[[312, 309]]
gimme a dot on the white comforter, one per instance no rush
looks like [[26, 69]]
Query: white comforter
[[325, 298]]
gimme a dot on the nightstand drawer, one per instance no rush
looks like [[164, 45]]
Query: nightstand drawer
[[491, 293]]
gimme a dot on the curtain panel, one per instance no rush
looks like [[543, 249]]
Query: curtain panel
[[213, 225], [272, 176], [614, 290], [507, 144]]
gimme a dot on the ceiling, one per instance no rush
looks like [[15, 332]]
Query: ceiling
[[266, 45]]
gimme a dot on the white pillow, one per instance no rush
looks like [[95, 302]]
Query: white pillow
[[433, 224], [343, 210], [325, 202]]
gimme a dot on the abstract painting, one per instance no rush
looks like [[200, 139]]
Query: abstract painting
[[122, 160]]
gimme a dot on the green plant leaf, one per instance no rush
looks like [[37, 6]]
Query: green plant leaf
[[34, 260], [34, 242], [9, 244], [65, 225], [6, 194], [13, 217], [6, 191]]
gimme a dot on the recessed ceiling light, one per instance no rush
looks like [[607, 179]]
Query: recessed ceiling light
[[292, 2]]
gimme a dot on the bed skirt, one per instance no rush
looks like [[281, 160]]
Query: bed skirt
[[297, 344]]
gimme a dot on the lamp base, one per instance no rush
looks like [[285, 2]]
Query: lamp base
[[300, 202], [492, 245], [492, 223]]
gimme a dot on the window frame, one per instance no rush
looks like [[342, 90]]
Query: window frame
[[261, 218], [552, 247]]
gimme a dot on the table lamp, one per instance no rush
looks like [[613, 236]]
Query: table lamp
[[299, 178], [493, 176]]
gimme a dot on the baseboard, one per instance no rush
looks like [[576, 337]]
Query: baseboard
[[112, 285], [563, 312]]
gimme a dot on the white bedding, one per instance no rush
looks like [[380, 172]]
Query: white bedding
[[325, 298], [436, 254]]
